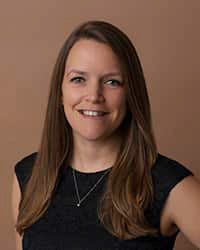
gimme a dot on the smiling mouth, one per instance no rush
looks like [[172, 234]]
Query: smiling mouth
[[92, 116]]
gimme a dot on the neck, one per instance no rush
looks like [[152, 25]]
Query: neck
[[95, 156]]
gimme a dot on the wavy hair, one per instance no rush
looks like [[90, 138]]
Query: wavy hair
[[121, 210]]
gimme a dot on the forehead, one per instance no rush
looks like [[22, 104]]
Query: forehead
[[92, 54]]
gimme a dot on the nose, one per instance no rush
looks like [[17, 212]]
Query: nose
[[94, 93]]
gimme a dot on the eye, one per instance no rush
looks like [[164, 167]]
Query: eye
[[114, 82], [76, 79]]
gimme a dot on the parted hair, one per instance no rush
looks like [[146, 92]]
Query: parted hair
[[121, 210]]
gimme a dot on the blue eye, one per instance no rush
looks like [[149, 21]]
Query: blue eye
[[76, 79], [79, 79], [115, 81]]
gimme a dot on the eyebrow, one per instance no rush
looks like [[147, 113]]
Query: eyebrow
[[85, 73]]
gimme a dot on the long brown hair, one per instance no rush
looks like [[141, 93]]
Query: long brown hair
[[121, 210]]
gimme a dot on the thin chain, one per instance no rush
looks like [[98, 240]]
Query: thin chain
[[76, 186]]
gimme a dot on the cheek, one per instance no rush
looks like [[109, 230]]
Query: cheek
[[119, 102], [70, 98], [122, 107]]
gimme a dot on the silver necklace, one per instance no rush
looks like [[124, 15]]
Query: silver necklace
[[76, 186]]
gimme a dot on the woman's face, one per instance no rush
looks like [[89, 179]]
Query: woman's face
[[93, 82]]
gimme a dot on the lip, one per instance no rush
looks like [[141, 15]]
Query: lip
[[92, 117], [93, 110]]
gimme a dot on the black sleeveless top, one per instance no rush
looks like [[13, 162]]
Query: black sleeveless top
[[66, 226]]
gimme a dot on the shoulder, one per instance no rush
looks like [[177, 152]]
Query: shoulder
[[23, 168], [183, 207], [166, 174], [167, 168], [26, 162]]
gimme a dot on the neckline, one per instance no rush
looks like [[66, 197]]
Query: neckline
[[159, 156], [89, 173]]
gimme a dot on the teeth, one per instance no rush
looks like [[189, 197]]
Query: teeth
[[92, 113]]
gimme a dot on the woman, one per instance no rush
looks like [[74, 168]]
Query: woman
[[97, 180]]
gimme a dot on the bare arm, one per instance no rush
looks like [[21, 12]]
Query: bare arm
[[184, 206], [16, 196]]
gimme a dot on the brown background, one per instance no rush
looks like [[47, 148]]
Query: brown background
[[166, 36]]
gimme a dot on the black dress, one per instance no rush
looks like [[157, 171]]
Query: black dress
[[65, 226]]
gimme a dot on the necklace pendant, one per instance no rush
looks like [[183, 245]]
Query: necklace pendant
[[76, 187]]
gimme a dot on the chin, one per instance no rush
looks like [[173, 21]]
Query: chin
[[91, 136]]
